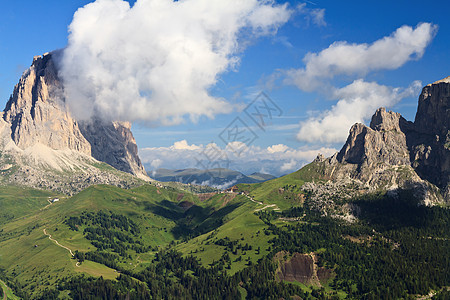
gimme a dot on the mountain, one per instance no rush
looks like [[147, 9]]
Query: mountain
[[219, 177], [392, 157], [397, 154], [40, 137], [261, 176]]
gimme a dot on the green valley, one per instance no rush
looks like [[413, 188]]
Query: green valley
[[259, 241]]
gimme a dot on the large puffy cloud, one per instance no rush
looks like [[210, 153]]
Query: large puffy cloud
[[358, 101], [277, 159], [342, 58], [155, 62]]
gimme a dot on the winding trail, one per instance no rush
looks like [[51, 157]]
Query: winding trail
[[275, 207], [5, 290], [57, 243], [138, 261]]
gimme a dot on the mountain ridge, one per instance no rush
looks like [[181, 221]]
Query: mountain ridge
[[218, 177], [43, 146], [37, 113]]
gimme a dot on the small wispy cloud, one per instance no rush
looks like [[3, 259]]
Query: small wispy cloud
[[315, 16]]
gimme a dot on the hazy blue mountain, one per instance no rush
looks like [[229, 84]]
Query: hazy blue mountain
[[219, 177]]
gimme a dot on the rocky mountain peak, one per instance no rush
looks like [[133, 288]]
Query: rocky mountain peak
[[37, 114], [421, 149], [384, 120], [433, 111], [445, 80], [429, 143]]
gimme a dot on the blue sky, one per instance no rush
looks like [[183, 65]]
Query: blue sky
[[304, 124]]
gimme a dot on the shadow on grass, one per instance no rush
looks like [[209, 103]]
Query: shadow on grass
[[192, 222]]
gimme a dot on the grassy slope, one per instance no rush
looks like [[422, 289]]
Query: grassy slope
[[28, 255], [16, 201], [37, 262], [284, 191], [241, 225]]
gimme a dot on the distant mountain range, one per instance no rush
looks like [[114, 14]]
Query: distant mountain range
[[219, 177]]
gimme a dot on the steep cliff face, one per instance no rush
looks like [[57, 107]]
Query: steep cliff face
[[395, 153], [37, 113], [37, 116], [114, 144], [429, 143], [382, 142]]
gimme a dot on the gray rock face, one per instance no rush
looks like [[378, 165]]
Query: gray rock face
[[429, 143], [37, 115], [382, 142], [113, 143], [421, 150], [37, 112]]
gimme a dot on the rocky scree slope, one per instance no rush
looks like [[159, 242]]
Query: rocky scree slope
[[40, 141]]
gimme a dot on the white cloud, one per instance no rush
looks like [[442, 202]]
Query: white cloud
[[183, 145], [276, 159], [288, 166], [358, 101], [314, 15], [155, 62], [342, 58], [156, 163], [277, 148], [318, 16]]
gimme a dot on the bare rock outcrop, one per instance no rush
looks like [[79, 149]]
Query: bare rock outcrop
[[393, 154], [37, 114], [37, 117], [382, 142], [114, 144], [429, 143]]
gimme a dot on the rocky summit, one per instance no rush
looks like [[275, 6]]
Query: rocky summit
[[394, 154], [38, 134]]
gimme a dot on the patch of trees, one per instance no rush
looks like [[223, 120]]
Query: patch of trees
[[397, 250], [402, 249], [172, 276], [103, 220], [109, 231], [233, 246], [105, 258]]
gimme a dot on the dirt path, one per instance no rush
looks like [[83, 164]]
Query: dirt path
[[275, 207], [57, 243], [5, 290], [138, 261], [253, 200]]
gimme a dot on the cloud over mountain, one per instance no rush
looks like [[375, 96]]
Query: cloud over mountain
[[357, 102], [342, 62], [156, 61], [277, 159]]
